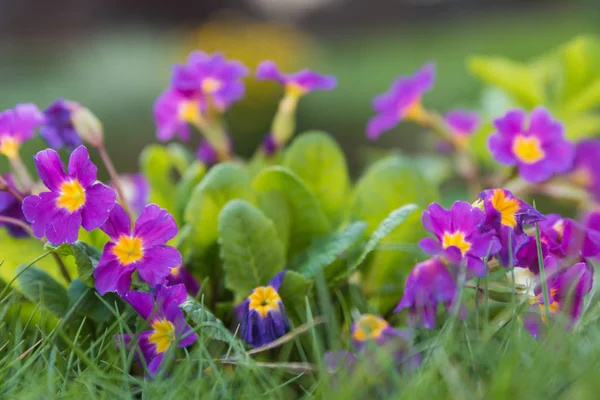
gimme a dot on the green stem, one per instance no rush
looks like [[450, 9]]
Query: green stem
[[23, 179], [542, 271], [114, 178]]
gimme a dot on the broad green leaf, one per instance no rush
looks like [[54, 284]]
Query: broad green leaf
[[161, 165], [86, 258], [211, 326], [88, 304], [586, 99], [524, 82], [580, 64], [250, 249], [221, 184], [581, 126], [39, 287], [275, 206], [319, 162], [190, 179], [326, 250], [294, 288], [307, 219]]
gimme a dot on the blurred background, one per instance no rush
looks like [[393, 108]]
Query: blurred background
[[115, 56]]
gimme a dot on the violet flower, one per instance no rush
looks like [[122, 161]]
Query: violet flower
[[586, 166], [17, 126], [10, 206], [174, 111], [136, 191], [296, 84], [58, 130], [181, 274]]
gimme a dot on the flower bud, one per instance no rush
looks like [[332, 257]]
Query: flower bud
[[88, 126]]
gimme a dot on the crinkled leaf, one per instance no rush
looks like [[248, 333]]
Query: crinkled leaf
[[88, 304], [190, 179], [294, 288], [39, 287], [212, 327], [86, 258], [275, 207]]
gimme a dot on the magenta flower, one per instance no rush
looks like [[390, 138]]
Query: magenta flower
[[401, 101], [298, 83], [506, 214], [167, 322], [372, 328], [136, 191], [462, 125], [17, 126], [429, 283], [262, 315], [586, 166], [75, 199], [58, 130], [536, 145], [174, 111], [458, 236], [143, 250], [207, 154], [10, 206], [182, 275]]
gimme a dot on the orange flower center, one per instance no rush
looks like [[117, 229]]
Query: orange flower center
[[369, 327], [506, 206], [456, 239], [528, 149], [128, 249], [264, 299], [72, 195]]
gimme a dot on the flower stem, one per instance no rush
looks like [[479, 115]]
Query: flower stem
[[114, 178], [22, 177], [62, 267], [5, 187]]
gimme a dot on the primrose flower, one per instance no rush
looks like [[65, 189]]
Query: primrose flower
[[166, 320], [401, 101], [182, 275], [338, 360], [174, 111], [207, 153], [217, 78], [586, 166], [458, 235], [74, 199], [58, 130], [298, 83], [262, 315], [506, 214], [143, 250], [10, 206], [429, 284], [535, 144], [136, 191], [17, 126]]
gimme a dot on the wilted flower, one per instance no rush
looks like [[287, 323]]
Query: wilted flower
[[182, 275], [298, 83], [429, 284], [401, 101], [58, 130], [537, 147], [586, 166], [10, 206], [74, 199], [17, 126], [136, 191], [166, 320], [463, 125], [262, 315], [459, 228], [506, 214], [143, 250]]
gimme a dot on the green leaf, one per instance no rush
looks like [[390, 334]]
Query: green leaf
[[191, 177], [294, 288], [275, 207], [319, 162], [586, 99], [326, 250], [39, 287], [580, 62], [90, 306], [250, 249], [307, 217], [212, 327], [224, 182], [86, 258]]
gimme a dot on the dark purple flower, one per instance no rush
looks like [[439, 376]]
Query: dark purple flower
[[527, 254], [401, 101], [166, 320], [586, 166], [182, 275], [429, 284], [143, 250], [270, 145], [506, 214], [262, 315], [298, 83], [58, 130], [459, 228], [74, 199], [463, 125], [174, 111], [17, 126], [207, 153], [136, 191], [536, 145], [218, 79], [10, 206]]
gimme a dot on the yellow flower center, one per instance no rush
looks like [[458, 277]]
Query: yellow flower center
[[264, 299], [295, 90], [9, 146], [553, 307], [369, 327], [506, 206], [128, 249], [210, 85], [72, 195], [528, 149], [175, 271], [456, 239], [559, 227], [414, 111], [189, 111], [163, 335]]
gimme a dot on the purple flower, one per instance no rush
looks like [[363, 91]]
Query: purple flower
[[298, 83], [136, 191], [17, 126], [207, 154], [372, 328], [182, 275], [10, 206], [458, 236], [401, 101], [58, 130], [166, 320], [74, 199], [537, 146], [174, 111], [428, 284], [339, 360], [218, 79], [463, 125], [586, 165], [144, 249], [262, 315], [506, 214]]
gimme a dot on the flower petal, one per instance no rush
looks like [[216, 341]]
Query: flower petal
[[50, 169], [81, 167], [157, 263], [155, 225]]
